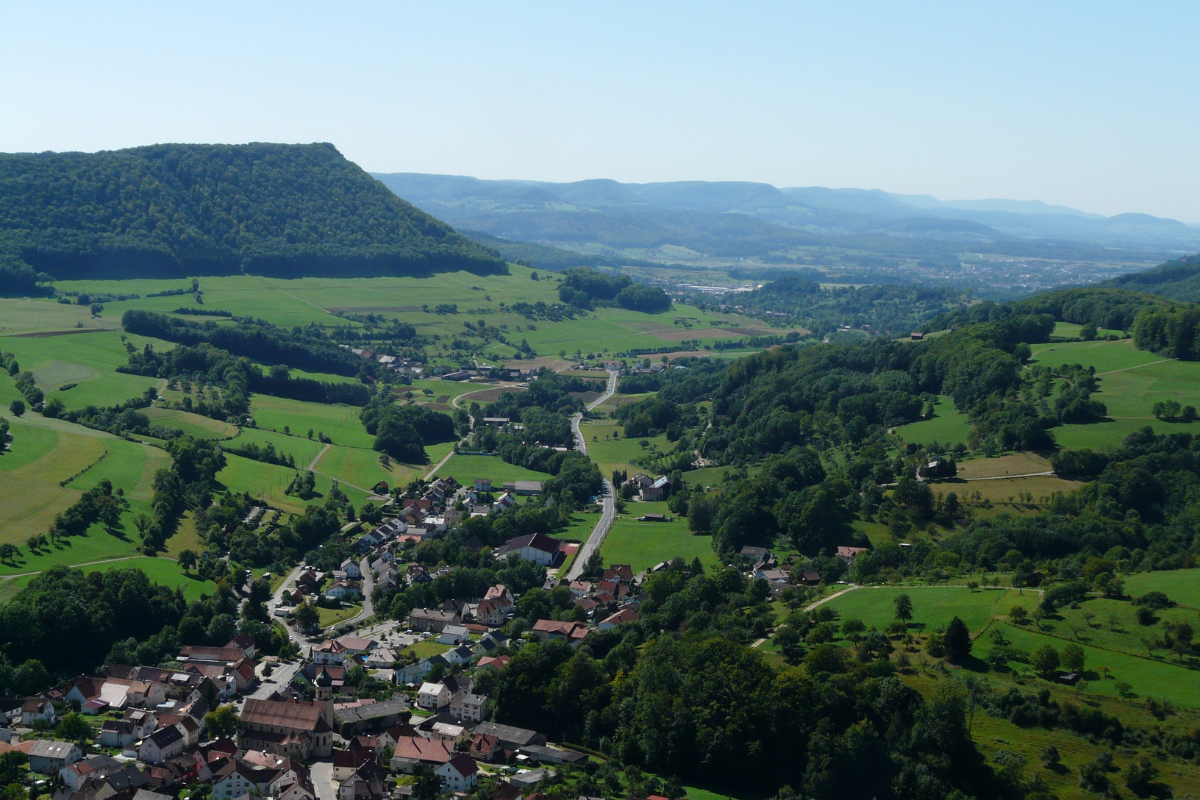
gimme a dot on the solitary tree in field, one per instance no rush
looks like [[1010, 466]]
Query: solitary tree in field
[[957, 640], [17, 408], [904, 607], [187, 560]]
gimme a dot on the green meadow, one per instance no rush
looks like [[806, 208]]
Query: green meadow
[[933, 606], [466, 469], [644, 544], [362, 468], [948, 426], [1181, 585]]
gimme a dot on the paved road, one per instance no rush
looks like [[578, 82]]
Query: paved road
[[594, 541], [321, 773], [368, 587]]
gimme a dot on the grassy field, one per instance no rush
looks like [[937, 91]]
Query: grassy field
[[1104, 356], [610, 454], [1014, 464], [467, 468], [644, 544], [268, 482], [1181, 585], [933, 606], [426, 648], [192, 424], [948, 426], [301, 448], [339, 422], [359, 467], [334, 616], [164, 571], [89, 360]]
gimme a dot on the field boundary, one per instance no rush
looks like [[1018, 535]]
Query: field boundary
[[63, 483]]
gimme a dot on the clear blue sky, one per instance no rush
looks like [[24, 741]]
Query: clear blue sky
[[1094, 105]]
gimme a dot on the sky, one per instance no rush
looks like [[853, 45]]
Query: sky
[[1092, 105]]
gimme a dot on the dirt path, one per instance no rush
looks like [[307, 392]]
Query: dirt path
[[83, 564], [1009, 477], [313, 466], [1139, 366]]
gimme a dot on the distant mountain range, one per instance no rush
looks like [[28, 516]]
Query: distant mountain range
[[176, 210], [604, 217]]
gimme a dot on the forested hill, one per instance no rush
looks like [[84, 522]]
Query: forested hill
[[1178, 280], [176, 210]]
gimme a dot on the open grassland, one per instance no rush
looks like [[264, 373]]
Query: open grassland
[[1104, 356], [268, 482], [995, 735], [610, 454], [359, 467], [999, 491], [192, 424], [163, 571], [644, 544], [339, 422], [1181, 585], [334, 616], [1104, 669], [414, 300], [948, 426], [1015, 464], [301, 448], [1069, 330], [467, 468], [186, 538], [708, 476], [933, 606], [19, 315], [89, 360]]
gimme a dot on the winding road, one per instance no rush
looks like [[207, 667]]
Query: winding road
[[594, 541]]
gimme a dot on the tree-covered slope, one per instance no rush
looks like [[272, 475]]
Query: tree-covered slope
[[175, 210], [1178, 280]]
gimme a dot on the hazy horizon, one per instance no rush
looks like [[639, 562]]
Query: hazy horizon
[[1092, 107]]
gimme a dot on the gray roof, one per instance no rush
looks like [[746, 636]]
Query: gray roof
[[45, 748], [507, 733], [146, 794], [371, 711]]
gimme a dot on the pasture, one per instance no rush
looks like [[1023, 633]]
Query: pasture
[[1104, 356], [933, 606], [162, 571], [466, 469], [339, 422], [1181, 585], [358, 467], [644, 544], [191, 424], [948, 426], [268, 482]]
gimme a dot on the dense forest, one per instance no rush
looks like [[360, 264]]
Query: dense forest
[[586, 287], [176, 210], [1099, 306], [886, 307], [1177, 280]]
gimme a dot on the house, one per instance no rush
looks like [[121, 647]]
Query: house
[[346, 762], [459, 774], [351, 568], [433, 696], [459, 655], [453, 634], [162, 745], [367, 783], [621, 573], [244, 643], [528, 778], [37, 709], [809, 578], [485, 748], [48, 757], [493, 662], [297, 728], [411, 752], [752, 553], [118, 733], [651, 489], [551, 755], [848, 554], [441, 727], [381, 658], [429, 619], [573, 632], [355, 645], [916, 336], [509, 736], [536, 547], [344, 590], [211, 655], [624, 615], [234, 779], [330, 651], [469, 706], [370, 716], [97, 767], [524, 488]]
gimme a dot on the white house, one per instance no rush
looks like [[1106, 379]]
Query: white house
[[459, 774], [351, 568], [453, 634], [162, 745], [118, 733], [433, 696], [330, 651], [469, 707], [536, 547], [49, 757], [459, 655], [37, 709], [234, 780]]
